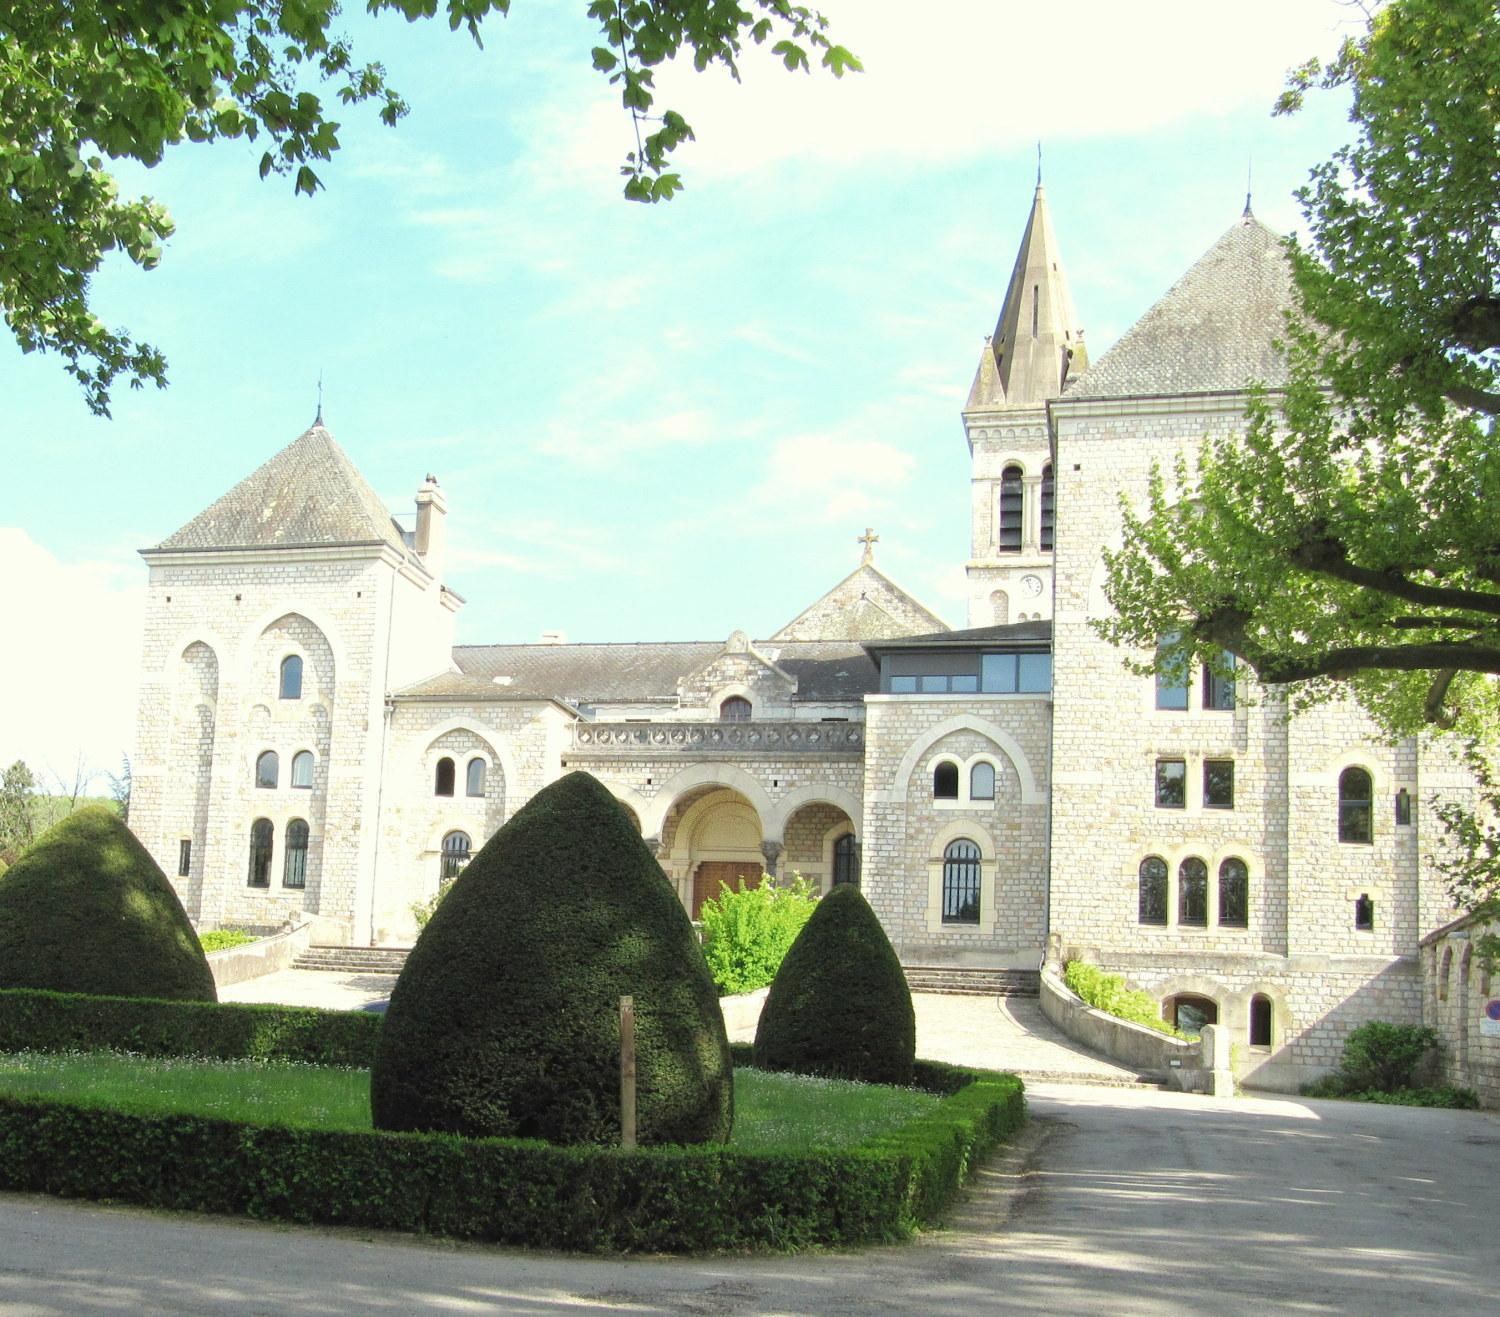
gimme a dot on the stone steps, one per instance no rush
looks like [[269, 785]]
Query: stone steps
[[353, 960], [974, 982]]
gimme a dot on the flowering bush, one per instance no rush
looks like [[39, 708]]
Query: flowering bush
[[746, 933]]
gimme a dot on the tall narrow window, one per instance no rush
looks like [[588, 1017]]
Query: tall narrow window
[[945, 781], [982, 782], [1218, 687], [1354, 806], [846, 861], [294, 867], [1364, 914], [267, 770], [262, 836], [1260, 1021], [455, 856], [291, 677], [1218, 783], [1036, 308], [961, 883], [1403, 808], [1009, 537], [474, 784], [1192, 893], [736, 709], [1048, 508], [1171, 784], [184, 857], [1171, 674], [1234, 894], [302, 770], [1153, 898], [442, 784]]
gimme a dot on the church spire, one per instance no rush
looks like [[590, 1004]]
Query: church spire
[[1037, 345]]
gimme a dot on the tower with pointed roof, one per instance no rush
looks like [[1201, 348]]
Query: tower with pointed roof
[[1037, 347]]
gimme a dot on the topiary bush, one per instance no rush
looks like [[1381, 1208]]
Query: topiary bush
[[86, 909], [839, 1004], [747, 933], [505, 1020]]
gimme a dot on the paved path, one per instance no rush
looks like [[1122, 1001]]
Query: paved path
[[1118, 1201]]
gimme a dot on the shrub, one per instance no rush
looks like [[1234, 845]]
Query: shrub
[[747, 933], [87, 910], [422, 911], [1108, 993], [221, 939], [1384, 1056], [840, 1004], [505, 1019]]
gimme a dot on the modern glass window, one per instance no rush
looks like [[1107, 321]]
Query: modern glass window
[[455, 856], [294, 866], [961, 883], [982, 782], [291, 677], [1234, 894], [846, 861], [1171, 674], [1048, 507], [945, 781], [442, 784], [1153, 899], [184, 857], [302, 770], [1015, 674], [1171, 784], [736, 709], [1403, 808], [1364, 914], [903, 685], [268, 770], [1355, 806], [1218, 784], [262, 837], [1218, 688], [963, 683], [474, 778], [1009, 537], [937, 685], [1260, 1021], [1192, 893]]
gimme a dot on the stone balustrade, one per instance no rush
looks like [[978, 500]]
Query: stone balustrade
[[747, 738]]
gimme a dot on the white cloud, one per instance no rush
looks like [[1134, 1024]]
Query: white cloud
[[70, 670], [835, 476]]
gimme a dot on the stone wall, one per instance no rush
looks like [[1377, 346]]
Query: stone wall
[[1456, 989]]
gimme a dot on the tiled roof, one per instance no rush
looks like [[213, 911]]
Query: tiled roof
[[310, 493], [1214, 331]]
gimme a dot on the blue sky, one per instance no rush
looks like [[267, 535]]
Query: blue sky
[[657, 422]]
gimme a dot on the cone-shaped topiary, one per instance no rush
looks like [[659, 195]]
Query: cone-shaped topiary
[[86, 909], [505, 1019], [839, 1004]]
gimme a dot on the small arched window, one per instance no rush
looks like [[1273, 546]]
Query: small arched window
[[1192, 893], [474, 778], [262, 837], [294, 867], [961, 882], [455, 856], [291, 677], [1009, 533], [982, 781], [302, 770], [846, 861], [945, 781], [1153, 895], [268, 770], [1355, 801], [1234, 894], [1047, 509], [1190, 1012], [1260, 1021], [736, 709], [442, 784]]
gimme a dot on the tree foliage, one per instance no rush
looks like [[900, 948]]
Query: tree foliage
[[102, 80], [17, 820], [747, 933]]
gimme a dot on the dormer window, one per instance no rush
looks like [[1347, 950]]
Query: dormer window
[[291, 677], [736, 709]]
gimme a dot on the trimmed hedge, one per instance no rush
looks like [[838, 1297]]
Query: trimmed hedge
[[670, 1199], [70, 1022]]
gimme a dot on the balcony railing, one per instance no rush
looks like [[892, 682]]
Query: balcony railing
[[745, 738]]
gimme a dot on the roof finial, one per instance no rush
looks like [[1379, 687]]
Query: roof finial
[[318, 419], [1249, 176], [1038, 162], [869, 540]]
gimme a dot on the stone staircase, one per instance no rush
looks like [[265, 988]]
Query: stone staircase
[[973, 982], [353, 960]]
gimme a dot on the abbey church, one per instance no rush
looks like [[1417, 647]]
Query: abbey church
[[312, 744]]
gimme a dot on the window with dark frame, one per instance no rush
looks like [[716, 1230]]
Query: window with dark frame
[[1171, 674], [1192, 893], [846, 861], [1009, 536], [291, 677], [1403, 808], [735, 709], [294, 865], [474, 777], [945, 781], [1171, 784], [455, 856], [1364, 913], [1260, 1021], [262, 839], [961, 882], [1218, 784], [1153, 895], [184, 857], [267, 770], [442, 784], [1048, 508], [1234, 894], [1355, 812], [1218, 688], [982, 781]]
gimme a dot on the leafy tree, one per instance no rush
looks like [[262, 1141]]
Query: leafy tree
[[120, 786], [17, 825], [102, 80]]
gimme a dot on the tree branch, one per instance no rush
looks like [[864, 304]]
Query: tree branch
[[1329, 557], [1465, 395], [1432, 708], [1351, 659]]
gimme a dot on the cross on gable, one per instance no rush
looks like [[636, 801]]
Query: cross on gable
[[869, 540]]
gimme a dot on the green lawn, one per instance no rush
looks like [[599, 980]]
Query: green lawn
[[772, 1111]]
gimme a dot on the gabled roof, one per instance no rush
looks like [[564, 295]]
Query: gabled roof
[[309, 494], [865, 605], [1215, 331]]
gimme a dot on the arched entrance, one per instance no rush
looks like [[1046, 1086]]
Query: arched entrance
[[711, 837], [819, 843]]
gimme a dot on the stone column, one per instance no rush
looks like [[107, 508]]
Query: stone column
[[772, 851]]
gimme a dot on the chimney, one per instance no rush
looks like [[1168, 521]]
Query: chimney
[[432, 513]]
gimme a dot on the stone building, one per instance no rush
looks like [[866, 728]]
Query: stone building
[[313, 745]]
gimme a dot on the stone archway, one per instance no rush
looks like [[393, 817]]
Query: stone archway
[[710, 836]]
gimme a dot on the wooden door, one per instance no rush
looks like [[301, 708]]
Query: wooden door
[[713, 872]]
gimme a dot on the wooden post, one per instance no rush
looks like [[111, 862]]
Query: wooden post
[[627, 1072]]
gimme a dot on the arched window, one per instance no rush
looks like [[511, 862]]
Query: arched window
[[846, 861], [291, 677], [1048, 508], [1192, 893], [961, 883], [982, 781], [455, 856], [1189, 1012], [736, 709], [442, 784], [1260, 1021], [268, 770], [1364, 913], [945, 781], [302, 770], [294, 867], [1234, 894], [1153, 896], [262, 835], [1355, 813], [1009, 534], [474, 784]]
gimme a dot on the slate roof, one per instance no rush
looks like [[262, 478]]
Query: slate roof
[[1213, 332], [310, 493], [1005, 635]]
